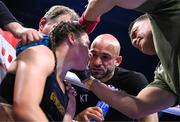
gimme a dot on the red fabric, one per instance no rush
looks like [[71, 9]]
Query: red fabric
[[90, 25], [9, 37], [3, 51]]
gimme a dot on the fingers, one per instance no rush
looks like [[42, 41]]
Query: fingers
[[97, 114], [113, 88], [93, 113], [33, 35], [71, 91], [23, 33], [29, 35], [71, 108]]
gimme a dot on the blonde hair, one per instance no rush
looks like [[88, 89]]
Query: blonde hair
[[58, 10]]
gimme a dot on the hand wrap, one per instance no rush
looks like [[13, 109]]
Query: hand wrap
[[90, 25]]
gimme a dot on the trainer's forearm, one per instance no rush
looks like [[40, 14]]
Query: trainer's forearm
[[5, 15], [97, 8], [129, 4], [150, 118], [119, 100]]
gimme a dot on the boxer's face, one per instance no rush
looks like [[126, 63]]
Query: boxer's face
[[141, 37], [81, 52]]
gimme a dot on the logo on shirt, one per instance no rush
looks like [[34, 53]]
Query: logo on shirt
[[57, 103], [83, 98]]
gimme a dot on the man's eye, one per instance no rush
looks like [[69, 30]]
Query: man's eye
[[94, 55], [133, 35], [106, 57]]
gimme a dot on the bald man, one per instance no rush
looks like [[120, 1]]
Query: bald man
[[103, 65]]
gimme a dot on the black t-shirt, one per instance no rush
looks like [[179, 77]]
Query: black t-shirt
[[126, 80]]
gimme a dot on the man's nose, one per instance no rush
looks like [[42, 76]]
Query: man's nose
[[97, 60]]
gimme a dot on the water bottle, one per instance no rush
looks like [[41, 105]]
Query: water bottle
[[104, 107]]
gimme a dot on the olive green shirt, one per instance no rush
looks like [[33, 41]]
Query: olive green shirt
[[165, 20]]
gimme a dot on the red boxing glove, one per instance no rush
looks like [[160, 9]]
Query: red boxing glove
[[90, 25]]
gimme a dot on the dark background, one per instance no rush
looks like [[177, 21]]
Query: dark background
[[115, 22]]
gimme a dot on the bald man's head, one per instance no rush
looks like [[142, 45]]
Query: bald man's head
[[108, 40], [105, 58]]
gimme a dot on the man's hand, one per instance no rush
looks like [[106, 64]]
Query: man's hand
[[71, 107], [94, 113], [27, 35]]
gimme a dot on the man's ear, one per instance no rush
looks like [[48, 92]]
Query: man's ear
[[42, 23], [118, 60], [71, 38]]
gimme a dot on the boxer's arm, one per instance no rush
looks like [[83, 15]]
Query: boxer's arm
[[30, 81]]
